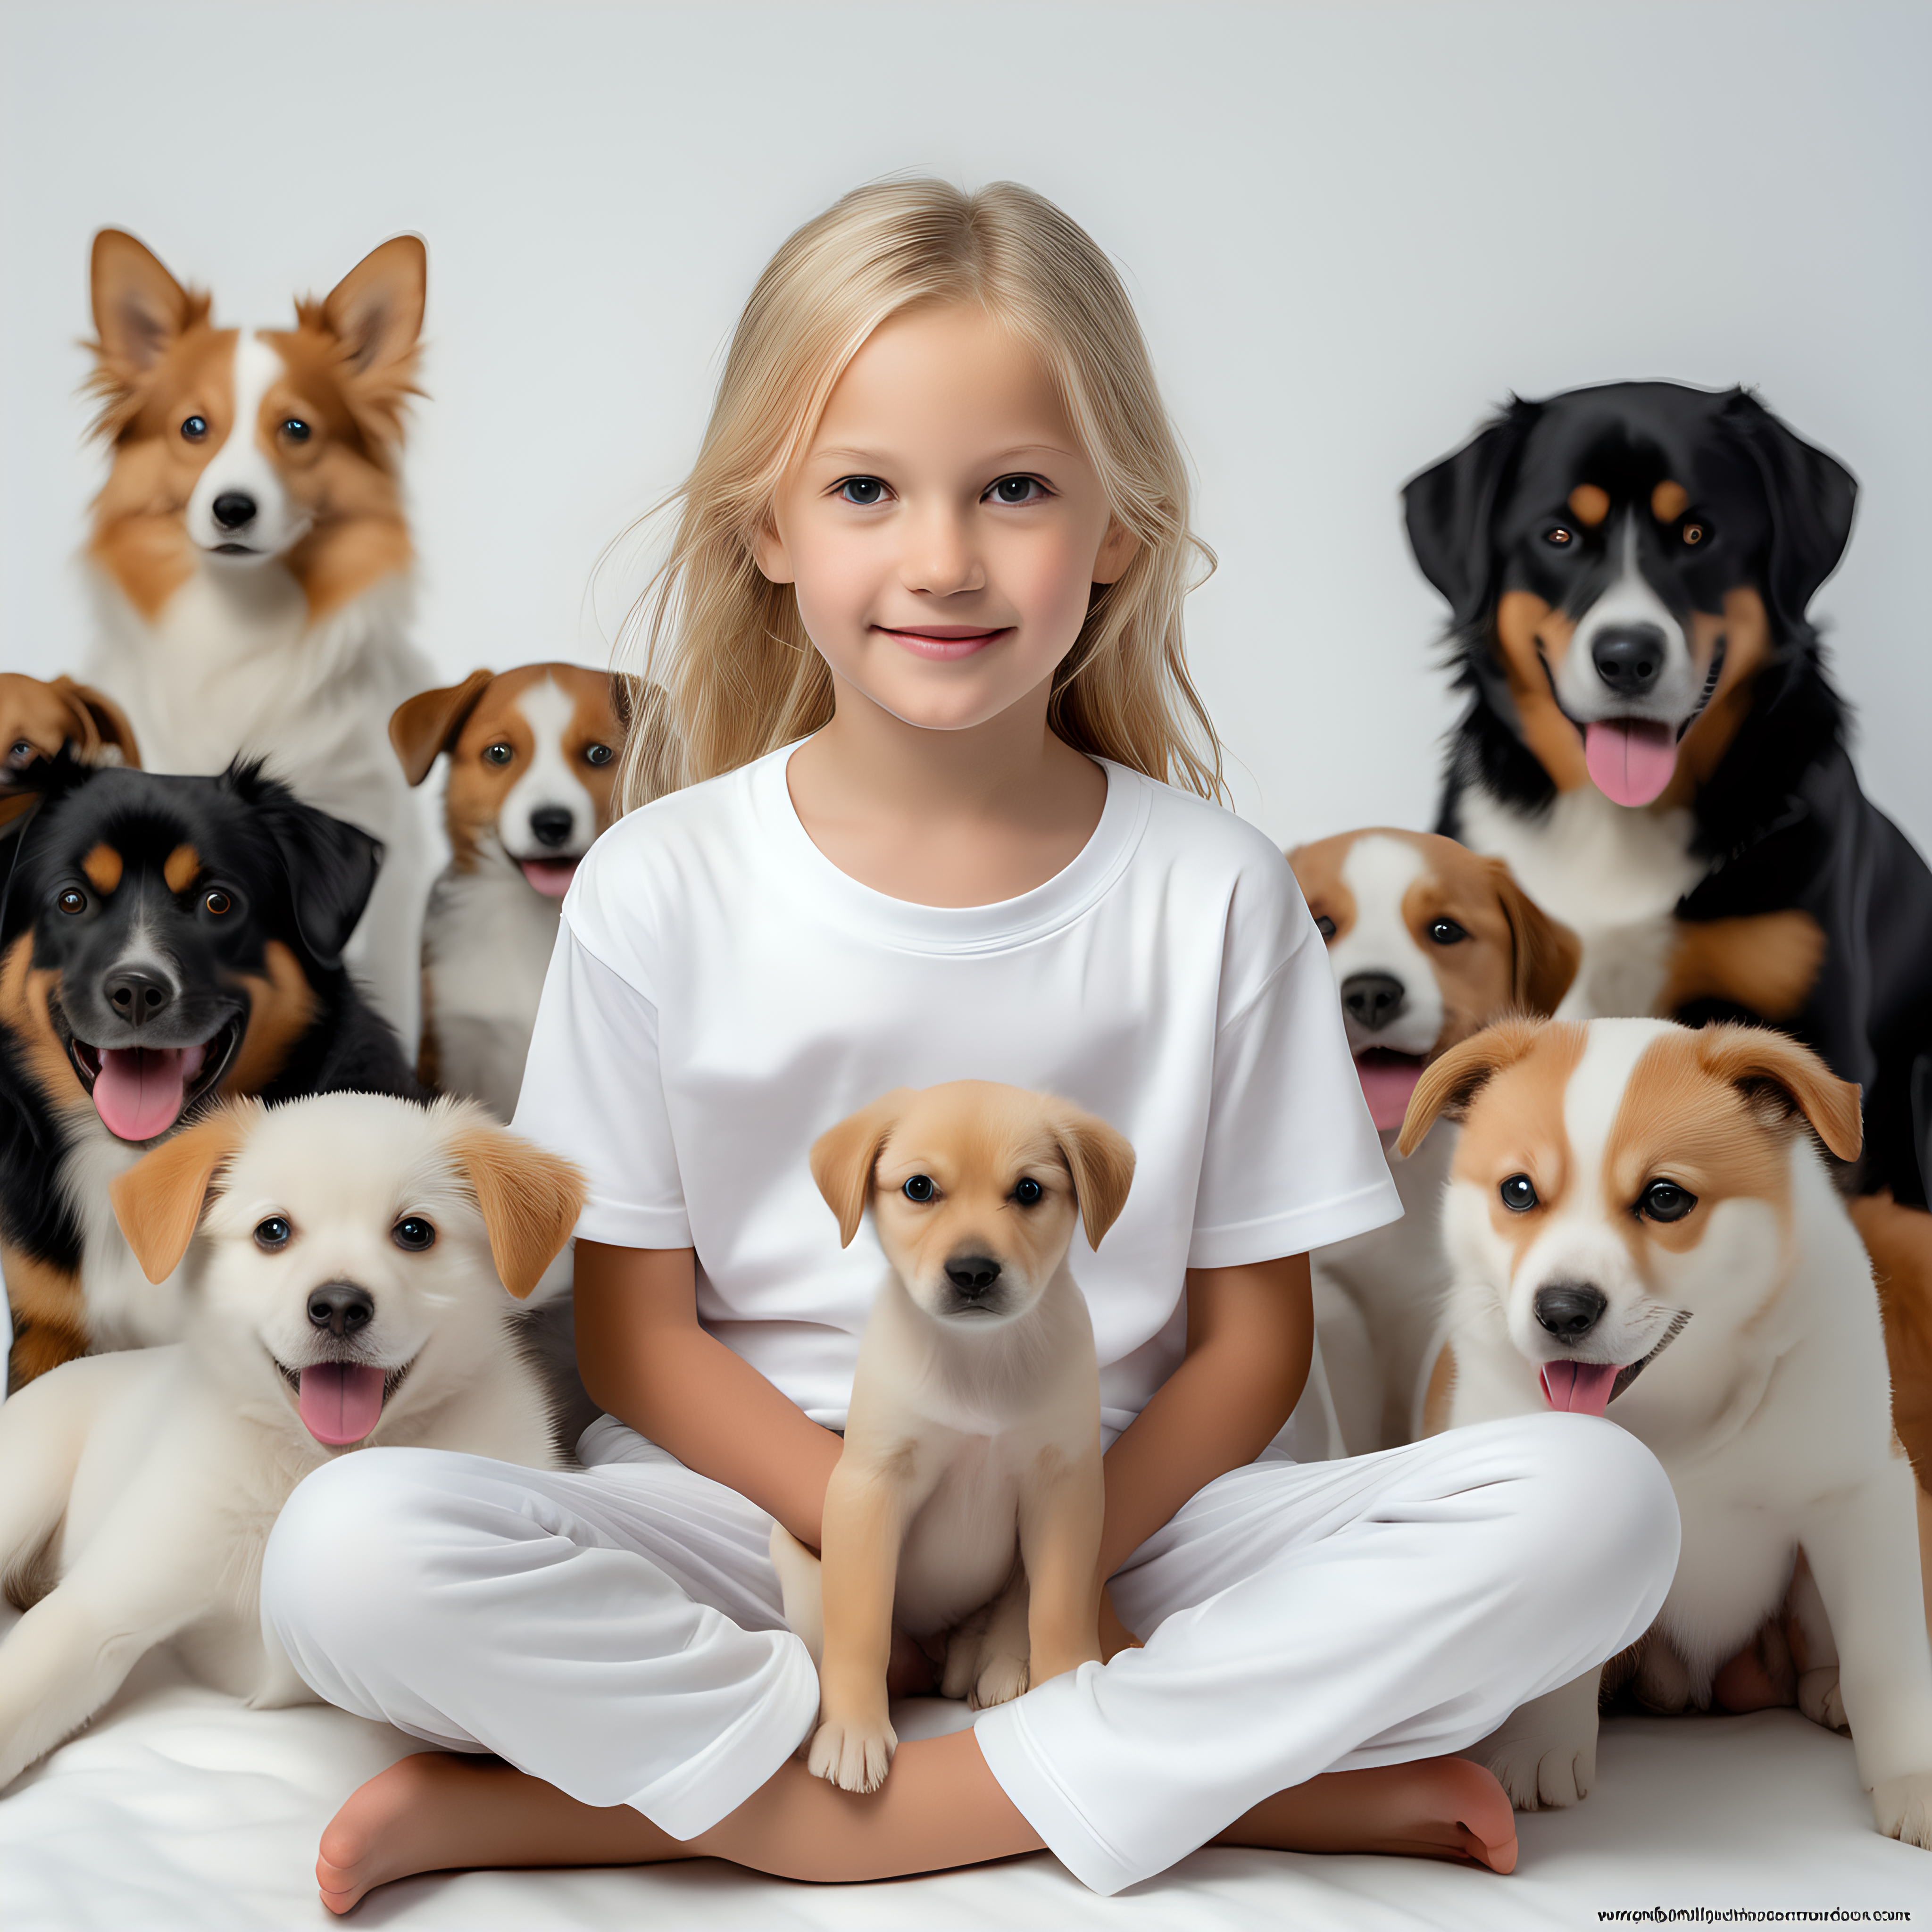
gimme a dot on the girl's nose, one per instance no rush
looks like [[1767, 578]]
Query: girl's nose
[[940, 557]]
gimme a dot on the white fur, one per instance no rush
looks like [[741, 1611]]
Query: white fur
[[1630, 600], [241, 462], [1377, 871], [549, 782]]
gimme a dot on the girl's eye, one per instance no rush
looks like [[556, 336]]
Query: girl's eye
[[598, 754], [1447, 932], [1519, 1193], [497, 754], [218, 903], [864, 490], [919, 1188], [296, 430], [72, 901], [1016, 490], [414, 1233], [194, 428], [272, 1233], [1560, 536], [1692, 535], [1028, 1193], [1324, 926], [1665, 1200]]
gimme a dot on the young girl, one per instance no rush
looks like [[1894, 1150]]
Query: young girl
[[924, 619]]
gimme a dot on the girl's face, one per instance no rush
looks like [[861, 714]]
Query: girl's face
[[945, 530]]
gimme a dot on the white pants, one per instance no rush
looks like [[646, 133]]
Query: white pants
[[617, 1630]]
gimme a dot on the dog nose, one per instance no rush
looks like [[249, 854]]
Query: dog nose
[[1629, 658], [1569, 1313], [1373, 999], [137, 996], [233, 508], [551, 824], [973, 1275], [341, 1308]]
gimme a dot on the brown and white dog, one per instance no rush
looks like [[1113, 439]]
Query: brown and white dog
[[533, 758], [40, 719], [1640, 1225], [250, 555], [1429, 943]]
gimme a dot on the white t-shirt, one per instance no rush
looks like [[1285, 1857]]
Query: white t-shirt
[[722, 994]]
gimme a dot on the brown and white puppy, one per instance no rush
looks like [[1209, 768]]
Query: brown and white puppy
[[1429, 943], [1641, 1225], [533, 756], [973, 1436], [345, 1258], [38, 719]]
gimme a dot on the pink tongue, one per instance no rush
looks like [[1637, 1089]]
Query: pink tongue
[[1581, 1387], [139, 1089], [1630, 761], [1386, 1086], [550, 876], [341, 1402]]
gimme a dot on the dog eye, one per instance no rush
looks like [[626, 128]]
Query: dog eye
[[919, 1188], [598, 754], [1447, 932], [497, 754], [296, 430], [414, 1233], [1560, 536], [217, 903], [272, 1233], [1324, 926], [1519, 1193], [1692, 535], [195, 428], [72, 901], [20, 754], [1665, 1200], [1028, 1193]]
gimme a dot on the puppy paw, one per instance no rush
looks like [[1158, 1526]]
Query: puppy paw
[[1002, 1679], [964, 1649], [855, 1757], [1818, 1698], [1539, 1773], [1903, 1806]]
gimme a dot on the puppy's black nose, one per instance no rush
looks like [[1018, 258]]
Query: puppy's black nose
[[341, 1307], [1373, 999], [551, 824], [136, 996], [1629, 658], [973, 1275], [233, 508], [1569, 1313]]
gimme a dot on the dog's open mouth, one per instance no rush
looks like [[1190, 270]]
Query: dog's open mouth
[[341, 1403], [550, 876], [1388, 1079], [1631, 760], [1588, 1388], [142, 1091]]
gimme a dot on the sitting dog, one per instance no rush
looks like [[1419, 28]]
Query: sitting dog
[[973, 1434], [1428, 943], [1639, 1225], [163, 940], [38, 721], [533, 754], [346, 1289]]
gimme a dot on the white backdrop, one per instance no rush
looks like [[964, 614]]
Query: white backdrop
[[1350, 230]]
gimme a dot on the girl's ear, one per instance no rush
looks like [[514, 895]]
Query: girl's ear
[[1118, 548], [158, 1201], [1102, 1164], [769, 551], [530, 1199], [842, 1159]]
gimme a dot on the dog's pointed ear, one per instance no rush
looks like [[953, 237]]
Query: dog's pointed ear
[[1777, 1075], [138, 307], [1102, 1164], [100, 734], [330, 866], [376, 311], [653, 761], [530, 1197], [158, 1201], [843, 1157], [1449, 1084], [1545, 956], [429, 723], [1448, 509]]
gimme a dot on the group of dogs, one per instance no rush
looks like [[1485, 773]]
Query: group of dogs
[[1646, 1026]]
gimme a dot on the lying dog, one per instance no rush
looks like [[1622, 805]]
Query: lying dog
[[1652, 743], [346, 1289], [39, 720], [1639, 1224], [973, 1436], [251, 555], [1428, 943], [162, 940], [533, 755]]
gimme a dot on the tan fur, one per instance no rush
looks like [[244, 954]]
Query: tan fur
[[49, 1316], [1589, 504], [37, 718], [1668, 501], [1767, 963], [530, 1200], [180, 868], [281, 1008], [1532, 634], [158, 1201], [1448, 1087], [103, 866], [1747, 633]]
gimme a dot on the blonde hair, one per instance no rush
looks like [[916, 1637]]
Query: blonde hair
[[729, 644]]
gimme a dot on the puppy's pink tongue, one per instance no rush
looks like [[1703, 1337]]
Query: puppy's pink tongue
[[1629, 760], [341, 1402], [1581, 1387], [140, 1091], [1386, 1085], [550, 876]]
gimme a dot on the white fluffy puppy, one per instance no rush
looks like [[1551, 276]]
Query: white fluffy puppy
[[346, 1288], [1639, 1225], [973, 1436]]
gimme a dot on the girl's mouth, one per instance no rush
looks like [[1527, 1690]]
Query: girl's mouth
[[945, 642]]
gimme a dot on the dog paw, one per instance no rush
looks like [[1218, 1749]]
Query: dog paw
[[1539, 1773], [1002, 1680], [965, 1645], [1818, 1698], [1903, 1806], [854, 1756]]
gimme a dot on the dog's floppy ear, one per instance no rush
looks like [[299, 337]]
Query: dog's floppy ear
[[1449, 1084], [422, 727], [1448, 509], [842, 1159], [530, 1199], [653, 749], [139, 310], [1772, 1071], [158, 1201], [1102, 1164], [1811, 497], [100, 727], [1546, 954], [376, 312], [331, 866]]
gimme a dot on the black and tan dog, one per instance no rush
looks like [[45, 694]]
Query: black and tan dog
[[162, 940], [1652, 741]]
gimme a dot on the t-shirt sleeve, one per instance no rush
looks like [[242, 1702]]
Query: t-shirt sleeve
[[592, 1092], [1291, 1160]]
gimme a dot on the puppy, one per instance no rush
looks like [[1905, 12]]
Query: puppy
[[1639, 1225], [1429, 943], [533, 756], [38, 721], [163, 941], [250, 558], [973, 1436], [345, 1289]]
